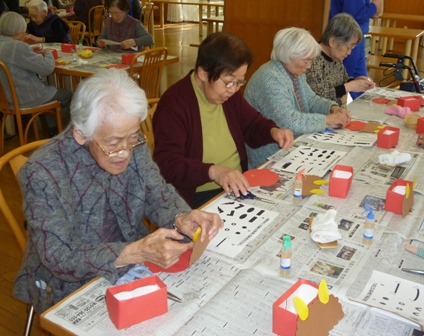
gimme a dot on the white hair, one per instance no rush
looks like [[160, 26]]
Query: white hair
[[39, 5], [294, 43], [11, 24], [107, 94]]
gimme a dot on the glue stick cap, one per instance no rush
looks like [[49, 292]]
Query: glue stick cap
[[370, 212], [287, 241], [300, 174]]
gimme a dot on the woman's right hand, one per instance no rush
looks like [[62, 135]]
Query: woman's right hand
[[229, 179], [101, 43], [340, 117]]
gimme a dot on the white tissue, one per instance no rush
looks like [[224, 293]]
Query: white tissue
[[324, 228], [394, 158]]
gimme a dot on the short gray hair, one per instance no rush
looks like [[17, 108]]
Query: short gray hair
[[11, 24], [294, 43], [108, 93], [40, 5], [342, 27]]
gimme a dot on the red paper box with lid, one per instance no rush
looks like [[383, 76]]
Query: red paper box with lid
[[125, 313], [413, 102], [388, 137], [339, 187]]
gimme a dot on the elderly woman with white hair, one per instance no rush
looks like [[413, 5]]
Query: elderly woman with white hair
[[26, 66], [46, 26], [87, 191], [278, 89]]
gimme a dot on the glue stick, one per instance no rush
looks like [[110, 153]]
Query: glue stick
[[285, 256], [297, 188], [369, 227]]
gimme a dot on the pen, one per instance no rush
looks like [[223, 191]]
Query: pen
[[174, 297], [410, 270]]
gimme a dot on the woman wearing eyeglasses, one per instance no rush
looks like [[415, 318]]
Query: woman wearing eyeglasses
[[87, 191], [202, 124], [278, 89], [328, 77], [121, 27]]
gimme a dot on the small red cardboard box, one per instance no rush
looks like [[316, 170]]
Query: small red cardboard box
[[54, 53], [284, 315], [420, 126], [413, 102], [388, 137], [67, 47], [127, 58], [340, 181], [400, 203], [125, 313]]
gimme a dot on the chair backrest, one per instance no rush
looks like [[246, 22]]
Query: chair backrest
[[148, 75], [96, 17], [77, 30], [16, 159], [147, 125]]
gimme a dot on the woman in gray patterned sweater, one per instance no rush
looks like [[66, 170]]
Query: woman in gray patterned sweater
[[328, 77]]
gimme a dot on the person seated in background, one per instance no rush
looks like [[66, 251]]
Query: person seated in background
[[362, 11], [82, 8], [25, 66], [122, 28], [87, 191], [202, 123], [278, 89], [46, 26], [327, 76]]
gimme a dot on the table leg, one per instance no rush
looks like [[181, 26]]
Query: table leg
[[408, 45], [200, 20], [162, 14]]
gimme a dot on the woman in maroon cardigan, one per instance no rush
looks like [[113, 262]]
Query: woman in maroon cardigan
[[202, 124]]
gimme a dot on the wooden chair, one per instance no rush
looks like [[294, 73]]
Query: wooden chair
[[148, 75], [147, 126], [77, 30], [96, 17], [16, 159], [52, 108]]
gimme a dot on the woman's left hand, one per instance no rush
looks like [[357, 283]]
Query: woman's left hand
[[284, 137], [229, 179], [209, 222], [127, 44]]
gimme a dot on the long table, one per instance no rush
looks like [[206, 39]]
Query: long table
[[199, 3], [234, 296], [82, 68]]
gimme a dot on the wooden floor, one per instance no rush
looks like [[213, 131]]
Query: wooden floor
[[177, 38]]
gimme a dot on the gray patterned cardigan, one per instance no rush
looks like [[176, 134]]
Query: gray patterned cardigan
[[67, 200]]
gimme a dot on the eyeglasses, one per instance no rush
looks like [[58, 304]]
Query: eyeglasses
[[350, 47], [115, 13], [232, 83], [119, 152]]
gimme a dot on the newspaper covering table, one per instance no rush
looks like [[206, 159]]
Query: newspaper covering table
[[225, 295]]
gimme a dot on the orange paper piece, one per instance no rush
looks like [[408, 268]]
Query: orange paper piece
[[261, 177], [381, 101], [356, 125]]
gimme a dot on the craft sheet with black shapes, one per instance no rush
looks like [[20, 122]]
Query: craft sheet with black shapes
[[242, 224], [315, 161]]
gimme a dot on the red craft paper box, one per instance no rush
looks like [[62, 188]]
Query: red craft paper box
[[388, 137], [127, 58], [339, 187], [54, 53], [125, 313], [413, 102], [67, 47], [399, 203], [284, 321], [420, 126]]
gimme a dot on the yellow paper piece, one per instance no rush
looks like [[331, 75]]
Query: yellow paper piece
[[301, 308], [323, 292]]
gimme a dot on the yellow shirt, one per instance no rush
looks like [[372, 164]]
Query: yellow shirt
[[219, 147]]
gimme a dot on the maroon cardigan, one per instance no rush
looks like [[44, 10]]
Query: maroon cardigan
[[178, 135]]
